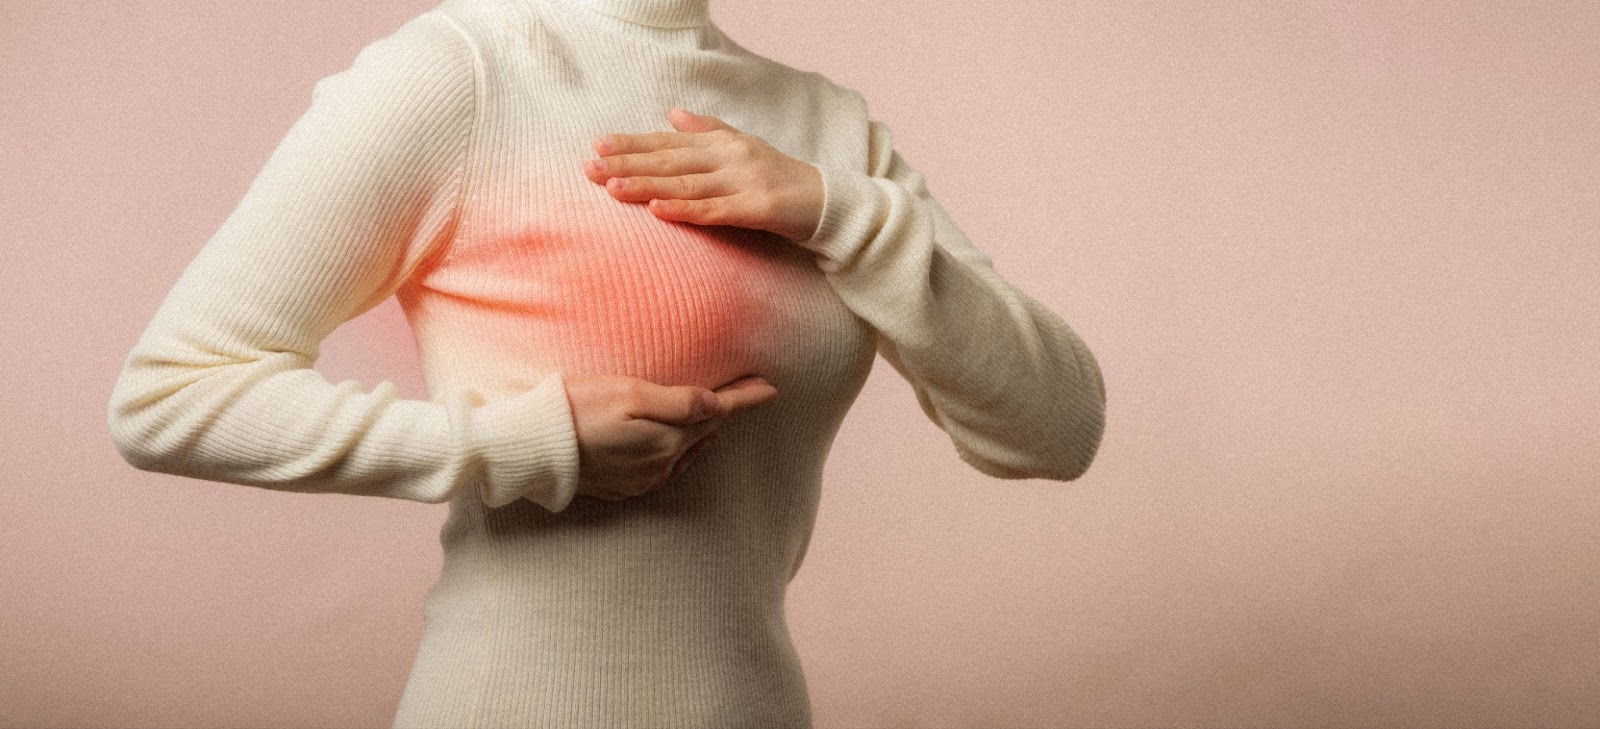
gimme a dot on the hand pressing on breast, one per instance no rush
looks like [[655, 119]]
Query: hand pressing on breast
[[710, 173], [635, 435]]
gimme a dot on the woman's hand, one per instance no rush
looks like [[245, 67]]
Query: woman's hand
[[635, 435], [710, 173]]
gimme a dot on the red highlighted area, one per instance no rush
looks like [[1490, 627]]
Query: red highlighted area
[[615, 292]]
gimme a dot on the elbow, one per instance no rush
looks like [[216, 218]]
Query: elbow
[[1069, 463], [142, 460], [134, 422], [1086, 426], [1064, 458], [1050, 437], [1084, 448], [1092, 429], [1086, 430], [128, 437], [1057, 454]]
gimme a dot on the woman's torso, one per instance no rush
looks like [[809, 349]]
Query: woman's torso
[[667, 607]]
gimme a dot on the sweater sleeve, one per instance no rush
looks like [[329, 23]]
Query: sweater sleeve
[[363, 190], [1017, 391]]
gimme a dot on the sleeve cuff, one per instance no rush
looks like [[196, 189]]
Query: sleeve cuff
[[853, 211], [527, 447]]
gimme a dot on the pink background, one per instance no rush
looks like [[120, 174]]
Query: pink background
[[1339, 261]]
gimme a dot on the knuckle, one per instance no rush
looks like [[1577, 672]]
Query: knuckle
[[641, 448], [681, 441], [684, 399], [762, 206], [710, 211], [666, 449]]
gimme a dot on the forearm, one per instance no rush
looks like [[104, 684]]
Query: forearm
[[1019, 393], [363, 189]]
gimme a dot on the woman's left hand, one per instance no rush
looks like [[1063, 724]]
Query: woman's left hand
[[710, 173]]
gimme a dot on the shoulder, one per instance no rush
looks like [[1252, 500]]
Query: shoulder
[[485, 25], [810, 83], [842, 101], [413, 89], [836, 128], [426, 58], [436, 35], [847, 129], [843, 94]]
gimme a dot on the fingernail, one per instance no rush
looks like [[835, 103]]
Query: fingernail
[[606, 142], [706, 405]]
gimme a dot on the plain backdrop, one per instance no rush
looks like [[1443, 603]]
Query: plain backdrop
[[1339, 261]]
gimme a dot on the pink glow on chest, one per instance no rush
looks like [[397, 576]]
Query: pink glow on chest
[[625, 293]]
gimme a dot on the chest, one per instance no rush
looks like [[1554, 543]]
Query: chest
[[584, 283]]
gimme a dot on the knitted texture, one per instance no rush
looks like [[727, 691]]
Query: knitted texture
[[443, 167]]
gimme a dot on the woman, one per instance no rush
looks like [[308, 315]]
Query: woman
[[596, 299]]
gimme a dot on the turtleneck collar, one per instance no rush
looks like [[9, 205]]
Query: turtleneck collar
[[653, 13]]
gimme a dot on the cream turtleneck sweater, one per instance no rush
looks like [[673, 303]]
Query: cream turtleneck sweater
[[444, 168]]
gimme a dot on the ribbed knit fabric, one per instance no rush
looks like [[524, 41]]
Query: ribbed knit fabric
[[444, 168]]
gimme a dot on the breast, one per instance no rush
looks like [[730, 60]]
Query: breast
[[596, 286]]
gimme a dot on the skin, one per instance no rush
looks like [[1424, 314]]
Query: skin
[[710, 173], [635, 435]]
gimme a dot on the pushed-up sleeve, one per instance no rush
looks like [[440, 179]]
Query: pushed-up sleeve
[[1019, 394], [363, 190]]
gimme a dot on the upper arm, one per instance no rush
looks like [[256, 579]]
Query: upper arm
[[362, 188]]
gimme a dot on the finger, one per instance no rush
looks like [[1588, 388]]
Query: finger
[[684, 120], [717, 210], [660, 163], [675, 405], [613, 144], [680, 187], [698, 431], [678, 466], [746, 393], [646, 437], [689, 454]]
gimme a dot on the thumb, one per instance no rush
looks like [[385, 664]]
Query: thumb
[[676, 404], [684, 120]]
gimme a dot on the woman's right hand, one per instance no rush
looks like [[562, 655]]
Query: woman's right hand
[[634, 435]]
